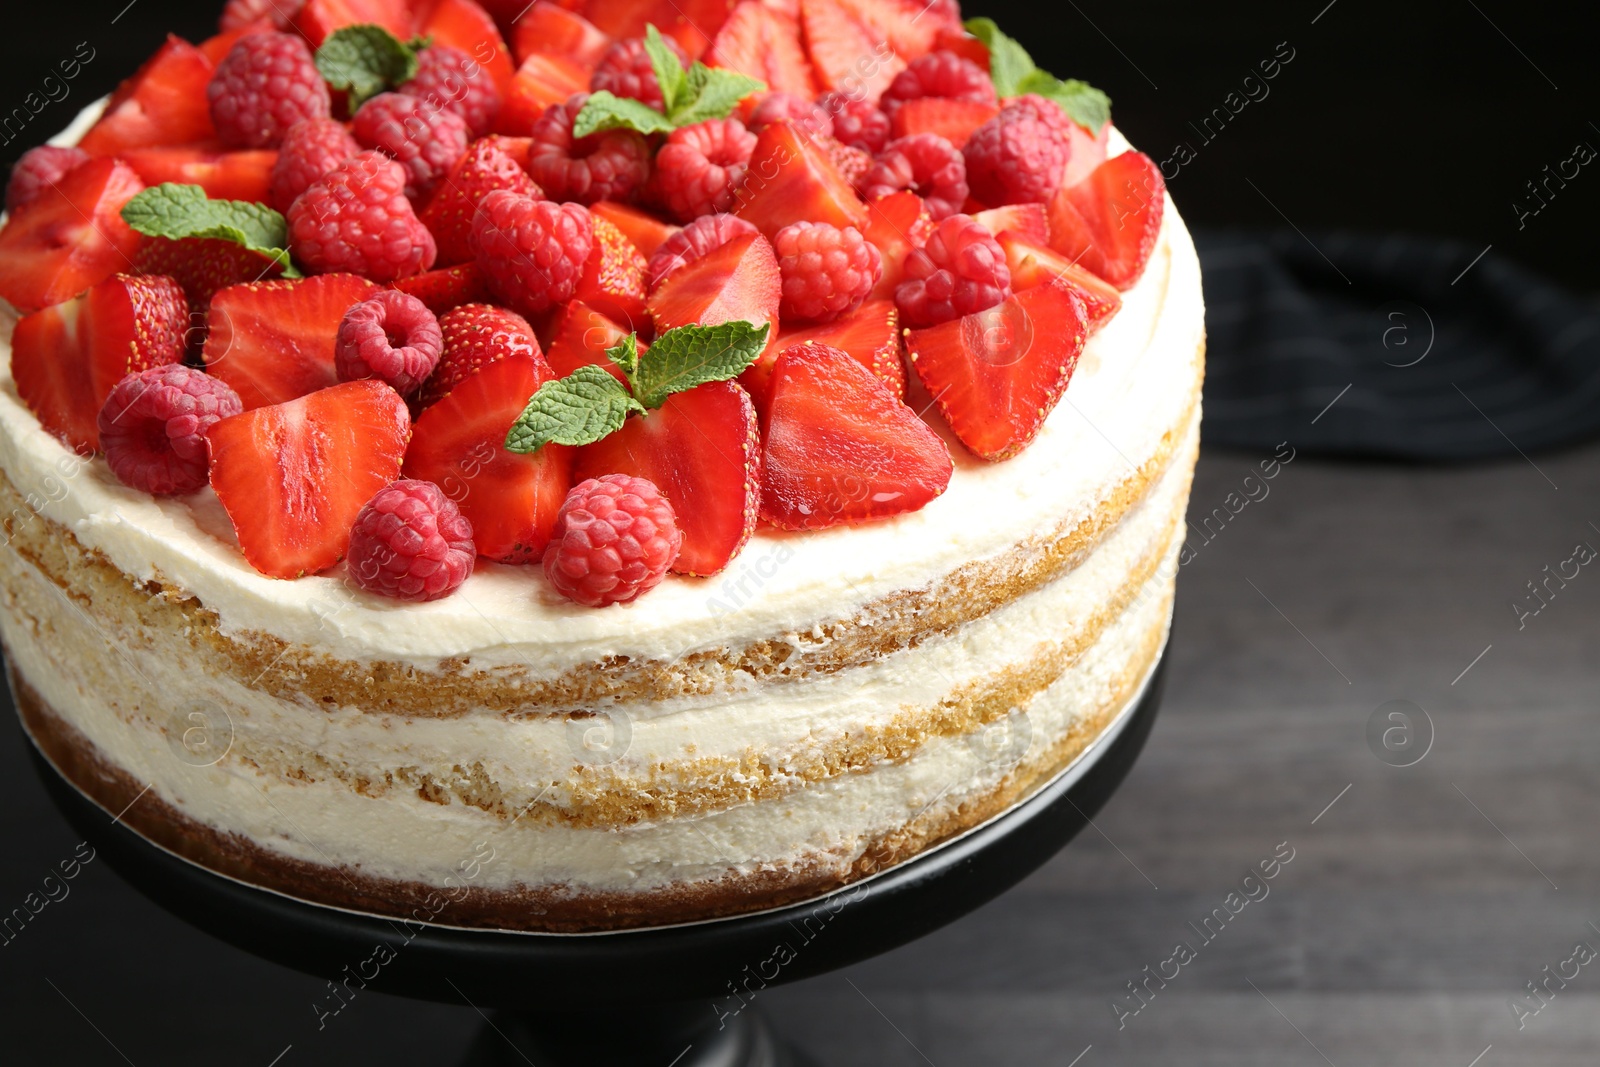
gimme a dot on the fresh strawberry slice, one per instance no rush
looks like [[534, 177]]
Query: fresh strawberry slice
[[840, 448], [870, 335], [958, 40], [66, 359], [224, 175], [792, 178], [549, 29], [645, 230], [273, 341], [1026, 221], [475, 335], [997, 374], [70, 236], [702, 448], [294, 476], [849, 55], [448, 288], [613, 278], [511, 499], [739, 280], [319, 18], [164, 103], [582, 337], [1109, 222], [465, 25], [1088, 152], [765, 44], [896, 224], [215, 48], [485, 167], [954, 120], [692, 23], [909, 26], [1035, 264], [202, 265], [541, 80]]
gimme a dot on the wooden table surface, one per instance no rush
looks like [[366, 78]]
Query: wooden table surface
[[1418, 904]]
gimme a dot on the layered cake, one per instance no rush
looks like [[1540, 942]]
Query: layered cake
[[667, 466]]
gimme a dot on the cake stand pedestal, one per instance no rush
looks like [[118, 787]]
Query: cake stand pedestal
[[679, 996]]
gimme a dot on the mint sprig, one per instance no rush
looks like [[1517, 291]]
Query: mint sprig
[[1014, 73], [698, 94], [590, 403], [179, 211], [364, 60]]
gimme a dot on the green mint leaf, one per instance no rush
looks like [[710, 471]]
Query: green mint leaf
[[579, 409], [1082, 102], [713, 94], [669, 72], [693, 355], [365, 60], [179, 211], [1009, 62], [603, 111], [625, 354]]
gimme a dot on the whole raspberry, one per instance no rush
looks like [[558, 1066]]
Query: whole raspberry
[[925, 163], [961, 269], [779, 106], [410, 542], [699, 167], [602, 166], [614, 539], [827, 271], [391, 336], [448, 78], [531, 251], [153, 427], [1017, 157], [237, 14], [1045, 110], [856, 122], [625, 70], [425, 139], [265, 84], [941, 74], [700, 238], [39, 169], [311, 148], [356, 218]]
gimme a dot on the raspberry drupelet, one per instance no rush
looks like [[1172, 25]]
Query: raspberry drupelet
[[266, 83], [1020, 155], [410, 542], [391, 336], [153, 427], [961, 269], [602, 166], [699, 167], [614, 539], [924, 163], [827, 270]]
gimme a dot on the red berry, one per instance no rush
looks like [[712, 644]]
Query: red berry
[[531, 251], [700, 238], [942, 74], [69, 236], [1110, 221], [962, 269], [778, 107], [357, 219], [153, 427], [39, 169], [266, 83], [474, 336], [449, 79], [625, 70], [827, 271], [389, 336], [856, 122], [1017, 157], [699, 167], [602, 166], [927, 165], [485, 167], [426, 140], [410, 542], [237, 14], [614, 540], [311, 148]]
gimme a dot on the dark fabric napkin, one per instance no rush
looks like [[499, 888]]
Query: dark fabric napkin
[[1392, 347]]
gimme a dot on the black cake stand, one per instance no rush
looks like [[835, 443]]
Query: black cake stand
[[638, 996]]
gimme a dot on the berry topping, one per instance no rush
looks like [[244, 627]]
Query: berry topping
[[954, 120], [410, 542], [827, 271], [244, 175], [357, 219], [448, 288], [474, 336], [547, 28], [311, 149], [856, 122], [939, 74], [153, 427], [265, 84], [792, 177], [1110, 221], [389, 336], [424, 139], [69, 236], [317, 19], [737, 281], [925, 164], [614, 539], [237, 14], [1026, 221], [895, 225], [1036, 264], [625, 70], [1017, 157], [164, 103], [764, 42], [699, 167], [467, 28], [532, 252], [602, 166], [613, 276], [961, 270], [582, 337], [780, 107], [449, 79], [39, 169], [647, 232], [203, 265], [485, 167], [704, 235], [542, 82], [849, 54], [870, 335]]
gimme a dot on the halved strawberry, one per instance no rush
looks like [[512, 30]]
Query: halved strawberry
[[956, 39], [692, 23], [840, 448], [273, 341], [447, 288], [1035, 264], [224, 175], [870, 335], [66, 359], [582, 336], [1088, 152], [1109, 222], [1026, 221], [510, 498], [702, 448], [849, 55], [485, 167], [954, 120], [911, 27], [541, 80], [70, 236], [202, 265], [997, 374], [549, 29], [318, 18], [613, 278], [765, 44], [645, 230], [164, 103], [475, 335], [466, 25], [792, 178], [739, 280], [294, 476], [896, 224]]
